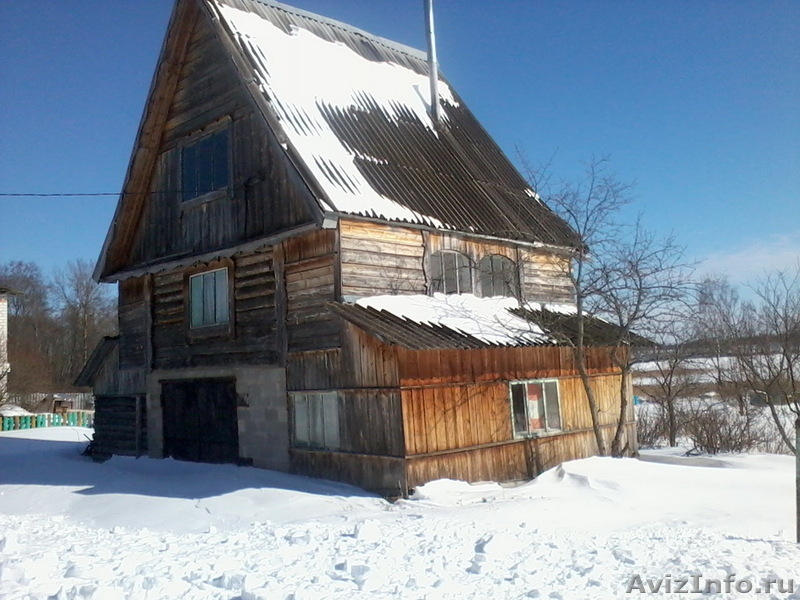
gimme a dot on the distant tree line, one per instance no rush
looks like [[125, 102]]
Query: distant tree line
[[54, 323]]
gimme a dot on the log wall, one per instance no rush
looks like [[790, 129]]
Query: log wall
[[120, 426], [252, 337], [311, 281], [381, 259]]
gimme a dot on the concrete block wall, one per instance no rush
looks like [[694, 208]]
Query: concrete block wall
[[262, 414]]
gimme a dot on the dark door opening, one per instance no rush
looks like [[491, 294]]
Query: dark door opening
[[200, 422]]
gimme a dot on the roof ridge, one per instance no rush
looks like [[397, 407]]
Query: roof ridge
[[392, 44]]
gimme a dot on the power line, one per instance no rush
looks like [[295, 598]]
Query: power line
[[57, 195], [94, 194]]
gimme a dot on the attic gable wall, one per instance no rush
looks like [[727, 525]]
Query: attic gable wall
[[266, 195]]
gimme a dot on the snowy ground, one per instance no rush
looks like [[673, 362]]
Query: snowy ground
[[148, 529]]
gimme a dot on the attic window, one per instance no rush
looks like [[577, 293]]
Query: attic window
[[205, 166], [498, 276], [451, 273]]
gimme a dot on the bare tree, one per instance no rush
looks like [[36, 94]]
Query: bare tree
[[590, 206], [31, 327], [756, 342], [642, 281], [759, 342], [85, 313], [621, 273], [673, 374]]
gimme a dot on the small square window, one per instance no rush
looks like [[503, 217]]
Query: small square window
[[209, 302], [205, 166], [535, 406]]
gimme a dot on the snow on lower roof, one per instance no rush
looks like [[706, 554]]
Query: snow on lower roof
[[303, 75], [487, 319]]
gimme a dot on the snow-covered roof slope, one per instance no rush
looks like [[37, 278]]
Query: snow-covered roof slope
[[446, 321], [354, 109]]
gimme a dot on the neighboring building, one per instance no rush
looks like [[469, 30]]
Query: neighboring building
[[5, 366], [315, 276]]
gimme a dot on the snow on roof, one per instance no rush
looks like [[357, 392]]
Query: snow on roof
[[487, 319], [295, 68], [13, 410], [354, 110]]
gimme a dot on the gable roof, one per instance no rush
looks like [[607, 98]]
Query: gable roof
[[351, 111], [355, 109]]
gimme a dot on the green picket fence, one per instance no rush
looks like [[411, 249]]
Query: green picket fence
[[73, 418]]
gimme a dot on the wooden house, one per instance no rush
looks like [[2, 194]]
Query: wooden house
[[315, 275]]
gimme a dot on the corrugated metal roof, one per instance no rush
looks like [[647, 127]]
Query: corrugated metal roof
[[391, 329], [555, 328], [597, 332], [354, 108]]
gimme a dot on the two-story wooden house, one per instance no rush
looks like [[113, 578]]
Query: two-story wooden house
[[315, 275]]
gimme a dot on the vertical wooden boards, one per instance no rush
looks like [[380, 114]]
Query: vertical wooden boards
[[265, 193], [457, 414], [200, 421], [380, 474]]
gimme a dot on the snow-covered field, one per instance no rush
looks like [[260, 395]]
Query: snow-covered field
[[146, 529]]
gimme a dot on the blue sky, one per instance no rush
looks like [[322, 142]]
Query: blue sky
[[694, 101]]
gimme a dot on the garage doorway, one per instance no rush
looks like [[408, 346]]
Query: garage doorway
[[200, 422]]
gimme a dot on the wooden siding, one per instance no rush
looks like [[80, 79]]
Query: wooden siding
[[252, 339], [120, 426], [545, 277], [133, 321], [436, 367], [311, 283], [382, 474], [381, 259], [369, 422], [513, 461], [265, 193], [437, 419]]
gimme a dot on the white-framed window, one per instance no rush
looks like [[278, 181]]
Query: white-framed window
[[451, 273], [316, 419], [535, 406], [498, 276], [205, 166], [209, 300]]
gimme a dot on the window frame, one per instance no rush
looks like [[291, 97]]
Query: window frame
[[548, 420], [512, 286], [192, 142], [438, 285], [216, 329], [318, 432]]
